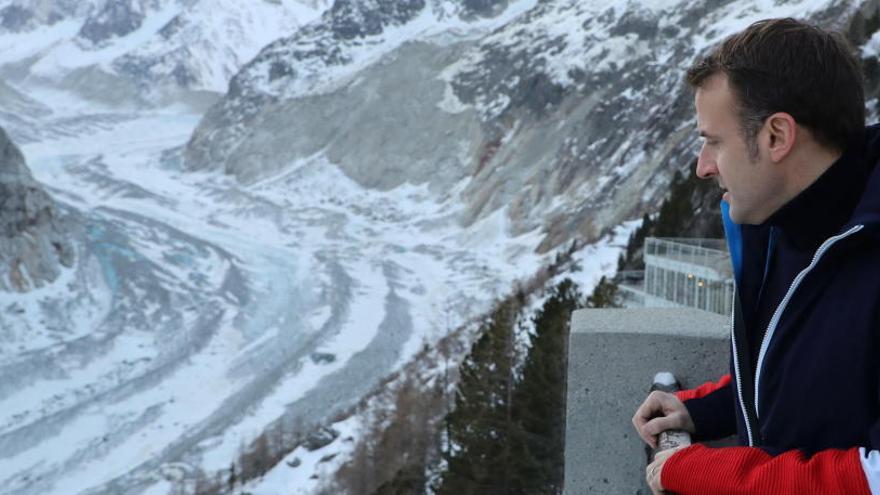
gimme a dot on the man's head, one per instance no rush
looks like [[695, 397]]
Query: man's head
[[776, 104]]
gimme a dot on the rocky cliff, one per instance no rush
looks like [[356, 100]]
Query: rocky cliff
[[33, 244]]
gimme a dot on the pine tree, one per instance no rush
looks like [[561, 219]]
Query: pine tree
[[605, 295], [632, 259], [540, 395], [261, 455], [482, 427], [232, 478], [203, 486]]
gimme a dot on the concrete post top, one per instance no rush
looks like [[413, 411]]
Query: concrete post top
[[683, 322], [613, 355]]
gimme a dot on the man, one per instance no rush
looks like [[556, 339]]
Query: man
[[780, 107]]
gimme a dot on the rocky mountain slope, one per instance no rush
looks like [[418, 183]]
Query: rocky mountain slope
[[375, 174], [569, 115], [33, 244]]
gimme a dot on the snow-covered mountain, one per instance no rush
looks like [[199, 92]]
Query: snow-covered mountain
[[123, 51], [568, 114], [375, 173]]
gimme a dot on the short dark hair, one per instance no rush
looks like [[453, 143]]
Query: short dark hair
[[785, 65]]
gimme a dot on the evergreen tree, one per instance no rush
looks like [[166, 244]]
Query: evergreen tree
[[408, 481], [481, 426], [632, 258], [540, 395], [605, 295], [691, 210], [232, 478]]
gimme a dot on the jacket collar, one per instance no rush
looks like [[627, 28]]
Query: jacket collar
[[826, 205], [867, 211]]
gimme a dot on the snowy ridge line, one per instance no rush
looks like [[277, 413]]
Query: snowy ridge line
[[194, 45], [325, 58], [575, 43]]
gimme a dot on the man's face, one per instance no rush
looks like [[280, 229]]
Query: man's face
[[750, 183]]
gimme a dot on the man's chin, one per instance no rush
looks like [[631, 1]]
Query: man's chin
[[740, 216], [746, 217], [737, 216]]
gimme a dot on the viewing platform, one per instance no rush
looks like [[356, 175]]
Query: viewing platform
[[680, 272]]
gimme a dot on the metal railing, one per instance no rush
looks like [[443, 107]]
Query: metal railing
[[657, 287], [681, 271], [709, 253], [631, 288]]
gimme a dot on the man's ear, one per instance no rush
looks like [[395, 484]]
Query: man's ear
[[782, 133]]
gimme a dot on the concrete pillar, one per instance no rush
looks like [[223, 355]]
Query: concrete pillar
[[613, 356]]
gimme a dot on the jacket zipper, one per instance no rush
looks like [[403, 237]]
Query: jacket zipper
[[774, 321], [742, 403]]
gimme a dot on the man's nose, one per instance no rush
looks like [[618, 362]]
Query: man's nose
[[706, 166]]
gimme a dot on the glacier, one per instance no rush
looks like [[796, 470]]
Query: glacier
[[272, 206]]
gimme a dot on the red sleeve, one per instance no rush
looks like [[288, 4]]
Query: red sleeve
[[699, 470], [703, 390]]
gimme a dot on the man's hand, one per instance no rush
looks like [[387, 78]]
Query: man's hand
[[661, 411], [652, 472]]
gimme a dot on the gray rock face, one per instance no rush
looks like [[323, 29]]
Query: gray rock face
[[15, 17], [322, 357], [307, 62], [350, 19], [485, 8], [602, 139], [409, 141], [116, 18], [19, 110], [32, 242], [320, 439], [23, 15], [573, 116]]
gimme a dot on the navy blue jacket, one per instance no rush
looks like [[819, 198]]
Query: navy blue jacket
[[814, 384]]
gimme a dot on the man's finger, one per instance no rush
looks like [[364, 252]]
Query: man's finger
[[639, 422], [662, 456], [647, 438], [651, 477], [654, 471], [650, 408], [658, 425]]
